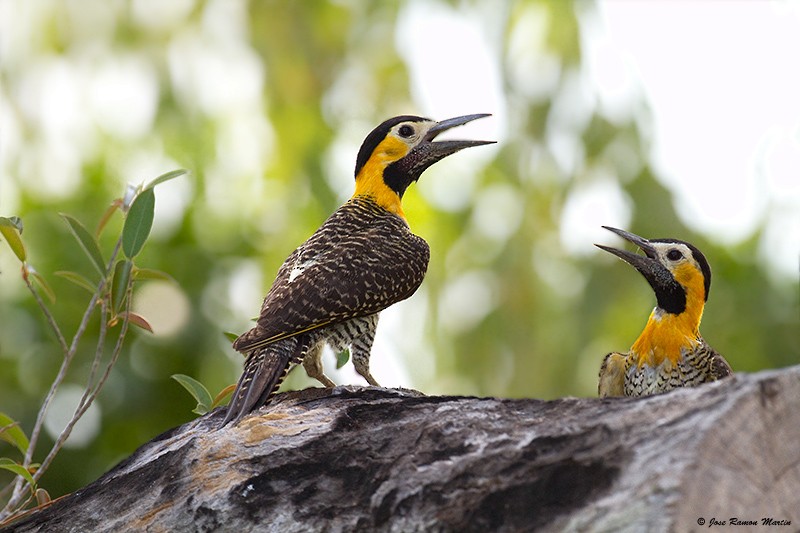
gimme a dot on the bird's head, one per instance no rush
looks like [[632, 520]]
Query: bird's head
[[676, 270], [399, 150]]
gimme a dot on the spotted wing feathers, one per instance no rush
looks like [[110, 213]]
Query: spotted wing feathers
[[360, 261]]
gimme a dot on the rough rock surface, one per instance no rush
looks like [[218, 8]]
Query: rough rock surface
[[368, 459]]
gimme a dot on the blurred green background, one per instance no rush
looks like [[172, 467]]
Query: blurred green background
[[266, 103]]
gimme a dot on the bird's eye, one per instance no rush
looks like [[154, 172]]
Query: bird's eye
[[674, 255], [406, 131]]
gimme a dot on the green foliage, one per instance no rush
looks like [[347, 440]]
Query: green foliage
[[78, 279], [11, 433], [198, 391], [138, 223], [40, 282], [120, 282], [16, 468], [143, 274], [165, 177], [10, 228], [342, 358], [201, 395], [112, 295], [87, 243]]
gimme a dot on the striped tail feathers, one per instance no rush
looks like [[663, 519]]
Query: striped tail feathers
[[264, 370]]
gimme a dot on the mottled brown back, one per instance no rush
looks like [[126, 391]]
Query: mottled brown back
[[360, 261]]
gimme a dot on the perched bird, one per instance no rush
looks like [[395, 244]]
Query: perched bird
[[670, 352], [363, 259]]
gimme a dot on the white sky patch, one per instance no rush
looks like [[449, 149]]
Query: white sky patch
[[160, 15], [453, 73], [532, 69], [452, 69], [244, 298], [600, 202], [51, 95], [217, 76], [722, 80], [123, 96]]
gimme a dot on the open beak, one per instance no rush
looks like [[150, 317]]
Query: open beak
[[657, 275], [643, 264], [429, 152], [445, 125]]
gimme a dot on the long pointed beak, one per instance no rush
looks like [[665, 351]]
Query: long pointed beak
[[450, 147], [632, 258], [428, 152], [445, 125], [662, 281]]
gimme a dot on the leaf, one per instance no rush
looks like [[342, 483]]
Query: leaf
[[42, 283], [137, 320], [138, 223], [342, 358], [141, 274], [87, 242], [11, 228], [116, 204], [42, 497], [197, 390], [224, 393], [119, 284], [77, 279], [230, 336], [15, 467], [172, 174], [12, 433]]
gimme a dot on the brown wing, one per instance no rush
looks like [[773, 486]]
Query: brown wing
[[719, 367], [611, 380], [360, 261]]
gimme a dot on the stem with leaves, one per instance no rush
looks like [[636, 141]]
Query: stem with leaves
[[113, 293]]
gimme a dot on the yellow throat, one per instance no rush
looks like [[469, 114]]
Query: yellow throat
[[666, 334], [369, 181]]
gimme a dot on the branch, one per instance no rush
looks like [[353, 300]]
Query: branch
[[372, 459], [69, 354]]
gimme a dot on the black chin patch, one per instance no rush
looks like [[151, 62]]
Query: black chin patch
[[705, 268], [670, 296], [398, 177]]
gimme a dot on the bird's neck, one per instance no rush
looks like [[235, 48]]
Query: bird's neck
[[667, 336], [370, 183]]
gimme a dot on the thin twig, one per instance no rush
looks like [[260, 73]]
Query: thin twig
[[62, 372], [37, 426], [98, 353], [20, 482], [69, 354], [46, 312], [117, 347], [83, 407]]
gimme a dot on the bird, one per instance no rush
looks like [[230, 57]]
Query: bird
[[362, 259], [670, 352]]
